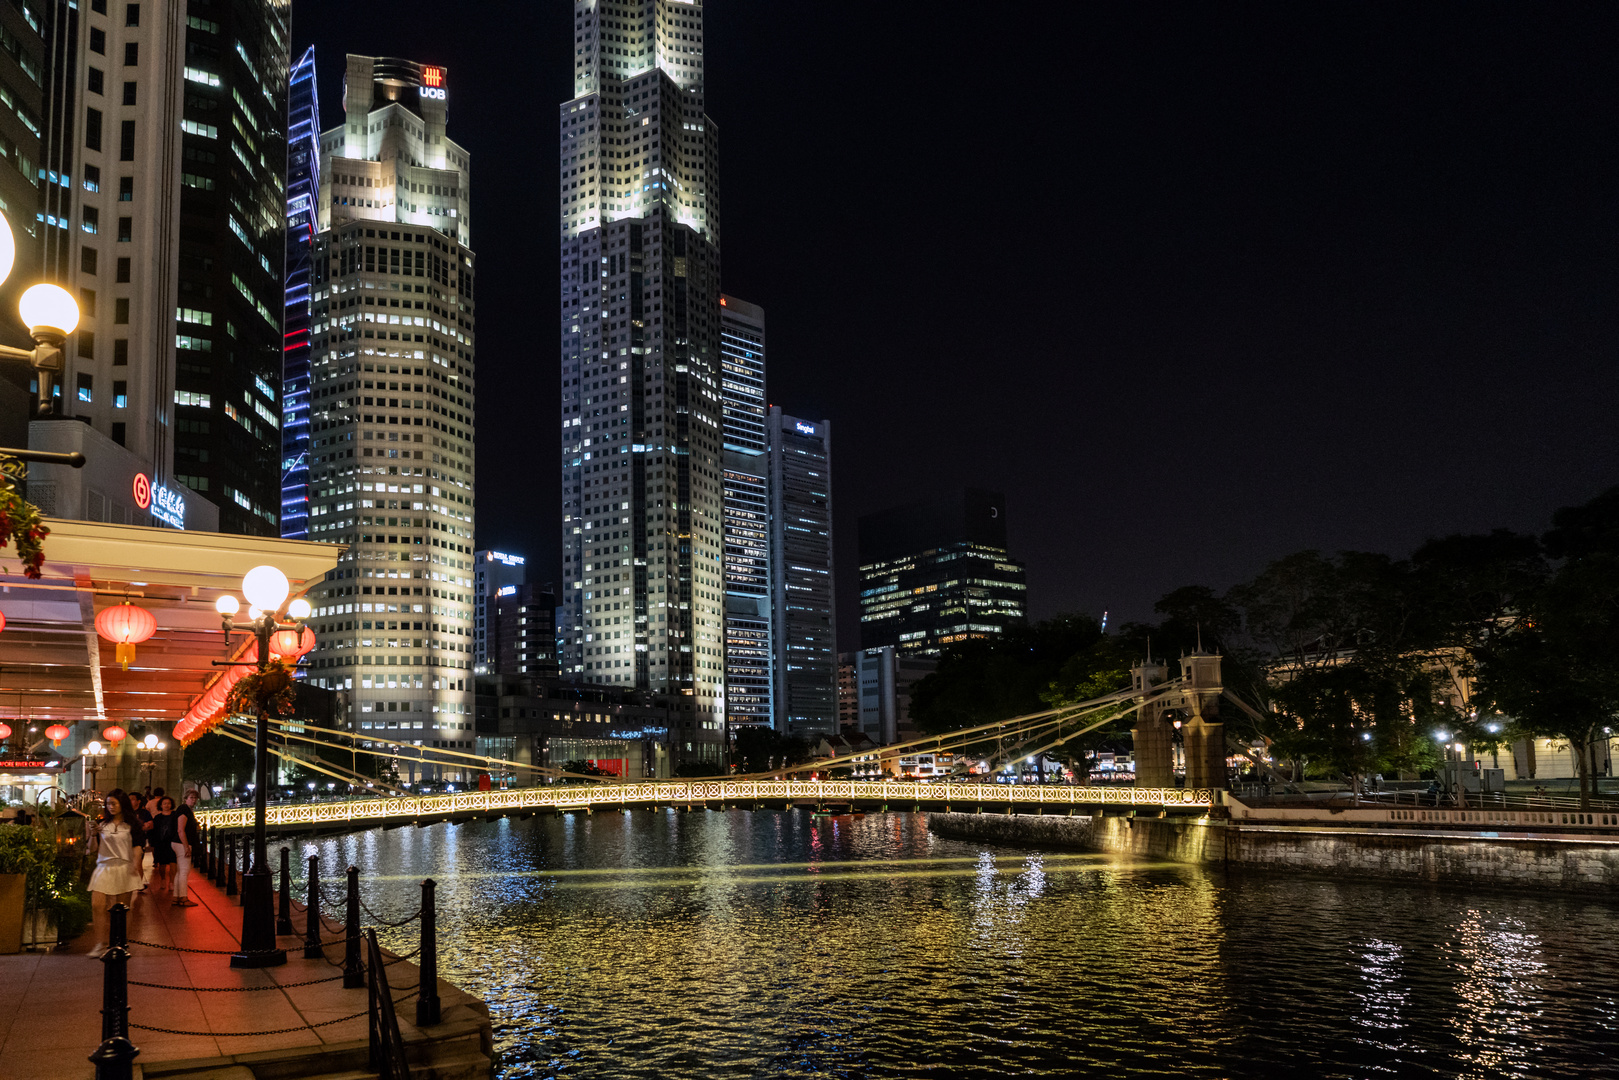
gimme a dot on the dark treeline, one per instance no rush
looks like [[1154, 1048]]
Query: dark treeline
[[1355, 661]]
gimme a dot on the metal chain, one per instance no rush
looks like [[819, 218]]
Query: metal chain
[[279, 1031], [234, 989], [393, 925], [176, 948]]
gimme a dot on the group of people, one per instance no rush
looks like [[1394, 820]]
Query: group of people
[[133, 825]]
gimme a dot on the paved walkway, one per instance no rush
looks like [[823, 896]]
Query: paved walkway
[[50, 1003]]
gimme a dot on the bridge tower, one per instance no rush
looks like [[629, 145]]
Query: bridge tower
[[1154, 737], [1204, 731]]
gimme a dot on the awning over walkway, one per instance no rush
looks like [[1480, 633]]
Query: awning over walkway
[[55, 668]]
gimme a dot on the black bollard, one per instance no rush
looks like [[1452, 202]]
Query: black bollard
[[312, 949], [205, 861], [218, 857], [427, 1002], [283, 918], [213, 856], [353, 967], [114, 1059], [230, 865]]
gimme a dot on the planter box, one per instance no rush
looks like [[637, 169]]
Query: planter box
[[13, 892]]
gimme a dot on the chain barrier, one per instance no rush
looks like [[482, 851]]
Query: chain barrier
[[278, 1031], [176, 948], [234, 989]]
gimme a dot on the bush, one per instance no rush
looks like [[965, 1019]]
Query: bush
[[52, 883]]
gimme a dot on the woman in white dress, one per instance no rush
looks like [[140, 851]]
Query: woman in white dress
[[119, 854]]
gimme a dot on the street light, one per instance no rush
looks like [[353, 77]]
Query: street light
[[149, 748], [265, 588], [94, 756], [49, 312]]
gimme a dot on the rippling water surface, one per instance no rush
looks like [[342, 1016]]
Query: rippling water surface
[[773, 944]]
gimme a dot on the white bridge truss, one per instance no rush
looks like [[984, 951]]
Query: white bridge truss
[[677, 793]]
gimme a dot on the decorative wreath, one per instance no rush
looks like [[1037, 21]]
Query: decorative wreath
[[21, 524]]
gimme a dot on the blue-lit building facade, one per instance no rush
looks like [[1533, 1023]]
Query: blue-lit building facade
[[303, 222]]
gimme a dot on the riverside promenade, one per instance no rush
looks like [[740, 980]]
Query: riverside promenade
[[219, 1022]]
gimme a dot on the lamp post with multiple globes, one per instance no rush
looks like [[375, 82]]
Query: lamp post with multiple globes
[[149, 748], [266, 590], [51, 314]]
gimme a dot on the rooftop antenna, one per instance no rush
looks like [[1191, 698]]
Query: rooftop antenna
[[1199, 637]]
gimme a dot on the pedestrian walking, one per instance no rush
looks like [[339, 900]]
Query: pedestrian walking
[[117, 843], [183, 829], [163, 858]]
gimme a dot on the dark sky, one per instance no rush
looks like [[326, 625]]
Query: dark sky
[[1196, 286]]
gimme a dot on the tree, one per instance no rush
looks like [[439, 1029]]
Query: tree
[[217, 760], [1554, 672], [761, 749], [985, 680]]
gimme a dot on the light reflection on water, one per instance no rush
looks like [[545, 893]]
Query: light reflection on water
[[748, 944]]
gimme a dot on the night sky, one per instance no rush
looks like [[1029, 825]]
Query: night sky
[[1196, 286]]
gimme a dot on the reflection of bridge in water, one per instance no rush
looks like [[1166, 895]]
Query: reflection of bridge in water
[[831, 795]]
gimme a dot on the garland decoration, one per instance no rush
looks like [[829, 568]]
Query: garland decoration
[[22, 524], [270, 690]]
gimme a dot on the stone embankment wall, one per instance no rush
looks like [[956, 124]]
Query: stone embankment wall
[[1564, 863]]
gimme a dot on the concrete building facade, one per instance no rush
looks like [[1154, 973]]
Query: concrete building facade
[[802, 608], [641, 426], [749, 649], [391, 466]]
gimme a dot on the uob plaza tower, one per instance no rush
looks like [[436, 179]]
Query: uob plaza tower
[[642, 547]]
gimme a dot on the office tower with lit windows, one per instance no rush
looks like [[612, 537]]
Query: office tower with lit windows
[[937, 572], [748, 649], [802, 613], [641, 439], [391, 407], [303, 221], [161, 190], [495, 574]]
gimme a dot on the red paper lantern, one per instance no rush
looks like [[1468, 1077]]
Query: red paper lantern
[[2, 620], [114, 734], [56, 733], [5, 732], [125, 625], [291, 644]]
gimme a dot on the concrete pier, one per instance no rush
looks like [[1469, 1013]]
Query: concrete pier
[[1548, 856]]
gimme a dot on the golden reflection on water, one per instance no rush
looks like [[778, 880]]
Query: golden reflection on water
[[747, 944]]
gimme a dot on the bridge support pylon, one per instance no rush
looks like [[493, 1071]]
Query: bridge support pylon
[[1204, 731], [1154, 734]]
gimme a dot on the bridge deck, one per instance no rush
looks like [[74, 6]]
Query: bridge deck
[[682, 793]]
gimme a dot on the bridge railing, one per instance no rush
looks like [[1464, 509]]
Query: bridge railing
[[679, 792]]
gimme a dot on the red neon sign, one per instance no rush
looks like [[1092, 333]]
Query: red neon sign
[[432, 76], [143, 491]]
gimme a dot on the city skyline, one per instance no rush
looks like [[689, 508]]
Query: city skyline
[[1254, 258]]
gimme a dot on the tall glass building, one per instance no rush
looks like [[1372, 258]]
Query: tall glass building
[[641, 442], [803, 622], [748, 649], [391, 416], [937, 572], [303, 222]]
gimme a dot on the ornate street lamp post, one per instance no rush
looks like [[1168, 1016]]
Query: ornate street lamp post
[[266, 590], [149, 748], [94, 755]]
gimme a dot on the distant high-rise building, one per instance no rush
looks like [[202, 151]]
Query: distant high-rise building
[[884, 679], [303, 223], [641, 454], [391, 451], [522, 632], [495, 573], [803, 623], [937, 572], [161, 176], [748, 650]]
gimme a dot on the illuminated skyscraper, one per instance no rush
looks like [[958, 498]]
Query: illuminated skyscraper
[[747, 514], [642, 459], [303, 222], [391, 419]]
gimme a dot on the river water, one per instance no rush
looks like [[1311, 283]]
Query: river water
[[740, 944]]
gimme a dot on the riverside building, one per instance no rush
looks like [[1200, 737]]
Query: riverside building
[[161, 209], [748, 640], [643, 594], [390, 453]]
